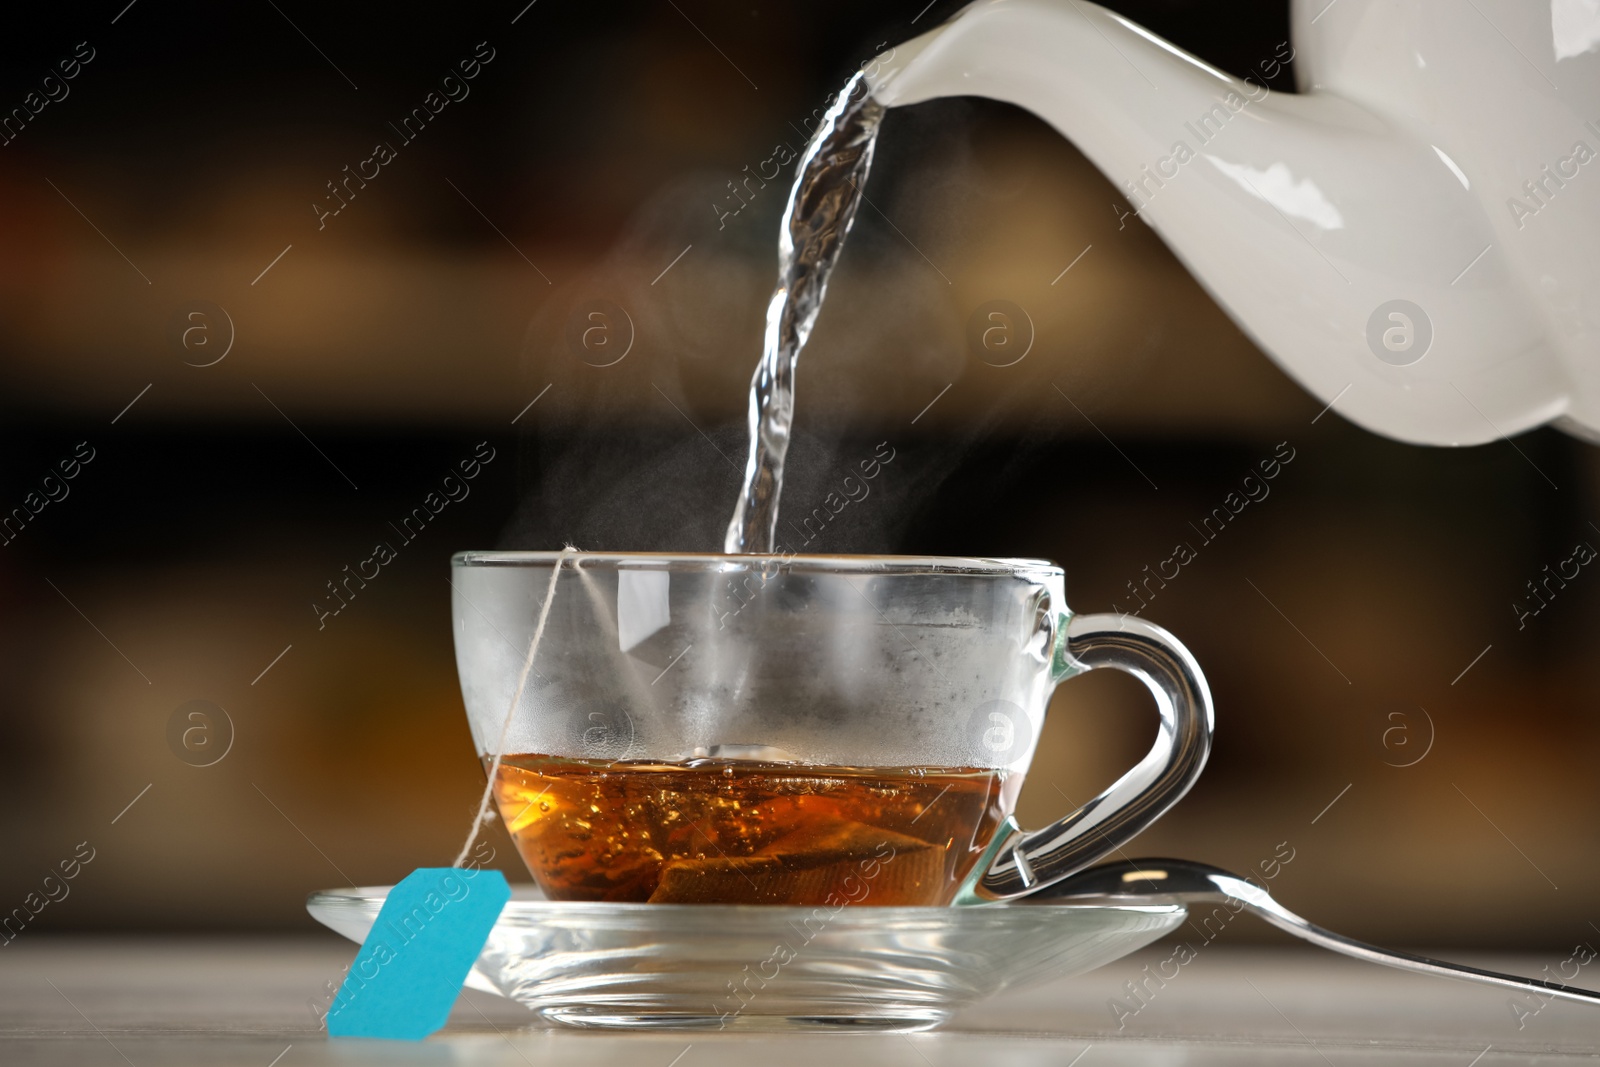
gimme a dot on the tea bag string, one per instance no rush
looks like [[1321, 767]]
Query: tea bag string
[[516, 698]]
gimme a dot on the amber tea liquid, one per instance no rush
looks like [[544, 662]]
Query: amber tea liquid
[[747, 832]]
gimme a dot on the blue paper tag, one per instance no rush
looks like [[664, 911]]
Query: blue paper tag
[[410, 969]]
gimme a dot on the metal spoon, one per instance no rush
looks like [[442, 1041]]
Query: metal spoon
[[1188, 882]]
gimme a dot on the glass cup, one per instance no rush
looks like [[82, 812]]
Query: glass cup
[[796, 729]]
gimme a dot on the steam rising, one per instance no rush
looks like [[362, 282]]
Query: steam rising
[[648, 454]]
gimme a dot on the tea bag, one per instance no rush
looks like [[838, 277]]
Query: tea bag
[[823, 860]]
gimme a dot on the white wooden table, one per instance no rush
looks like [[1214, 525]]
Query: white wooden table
[[175, 1003]]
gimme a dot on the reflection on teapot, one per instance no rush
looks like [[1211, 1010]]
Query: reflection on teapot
[[1412, 236]]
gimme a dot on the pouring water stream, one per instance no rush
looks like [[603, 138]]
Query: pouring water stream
[[822, 205]]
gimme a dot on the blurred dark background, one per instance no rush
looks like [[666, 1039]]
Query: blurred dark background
[[1379, 708]]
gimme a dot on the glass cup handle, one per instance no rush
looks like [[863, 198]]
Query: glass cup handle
[[1034, 859]]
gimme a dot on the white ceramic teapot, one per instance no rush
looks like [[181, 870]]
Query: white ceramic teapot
[[1414, 236]]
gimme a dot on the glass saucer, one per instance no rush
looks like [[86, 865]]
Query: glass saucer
[[742, 967]]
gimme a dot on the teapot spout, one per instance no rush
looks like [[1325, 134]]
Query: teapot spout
[[1140, 108], [1305, 215]]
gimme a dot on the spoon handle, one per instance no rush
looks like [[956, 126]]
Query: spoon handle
[[1190, 882], [1284, 919]]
